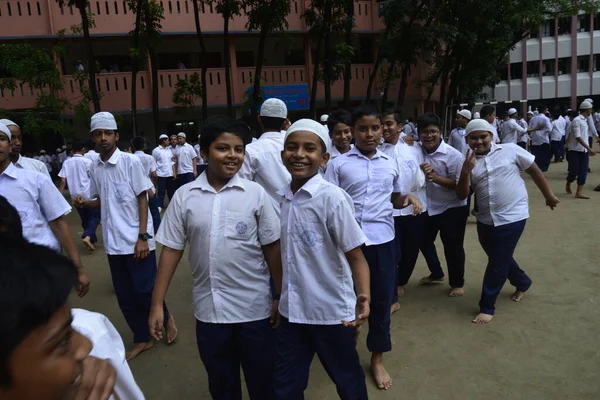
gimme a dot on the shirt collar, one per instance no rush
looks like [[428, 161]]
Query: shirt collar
[[442, 149], [311, 187], [19, 161], [270, 135], [202, 183], [139, 152], [77, 155], [11, 171], [355, 152], [113, 159]]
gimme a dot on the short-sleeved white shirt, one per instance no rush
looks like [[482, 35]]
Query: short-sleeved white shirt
[[334, 152], [92, 155], [226, 231], [317, 229], [447, 162], [148, 162], [38, 202], [118, 182], [32, 165], [511, 130], [579, 128], [370, 183], [540, 136], [496, 179], [185, 158], [458, 141], [76, 170], [524, 137], [164, 161], [263, 165], [200, 160], [558, 129], [409, 159]]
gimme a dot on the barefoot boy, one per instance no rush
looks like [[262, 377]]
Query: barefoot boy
[[323, 266], [579, 150], [493, 171]]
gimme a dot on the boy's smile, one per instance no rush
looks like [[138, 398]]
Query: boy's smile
[[430, 137], [224, 157], [341, 136], [480, 142], [302, 155]]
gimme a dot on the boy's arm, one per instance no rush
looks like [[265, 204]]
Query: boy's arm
[[362, 286], [463, 187], [62, 185], [142, 250], [272, 253], [542, 183], [405, 200]]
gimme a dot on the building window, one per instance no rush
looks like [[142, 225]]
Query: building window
[[503, 73], [564, 26], [548, 67], [548, 29], [564, 66], [597, 22], [534, 34], [596, 62], [583, 23], [533, 69], [583, 64], [516, 71]]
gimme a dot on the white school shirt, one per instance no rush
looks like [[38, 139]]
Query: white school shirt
[[511, 130], [185, 159], [148, 162], [558, 129], [447, 162], [458, 141], [118, 182], [579, 128], [334, 152], [32, 165], [591, 126], [92, 155], [107, 345], [496, 179], [76, 170], [63, 157], [263, 165], [370, 183], [495, 137], [541, 136], [523, 138], [225, 230], [409, 159], [200, 160], [38, 202], [164, 161], [317, 229]]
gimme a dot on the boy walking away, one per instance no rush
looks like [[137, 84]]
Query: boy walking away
[[457, 136], [559, 124], [119, 186], [166, 170], [186, 161], [493, 171], [323, 267], [540, 139], [75, 173], [340, 130], [262, 162], [149, 164], [371, 178], [233, 232], [447, 213], [579, 150]]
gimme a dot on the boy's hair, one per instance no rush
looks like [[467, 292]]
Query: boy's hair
[[138, 143], [80, 145], [10, 220], [272, 123], [35, 282], [486, 111], [364, 111], [429, 119], [340, 116], [213, 127], [396, 113]]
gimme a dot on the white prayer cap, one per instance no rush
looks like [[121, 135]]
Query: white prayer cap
[[512, 111], [199, 137], [585, 105], [64, 146], [42, 151], [8, 122], [476, 115], [103, 120], [589, 100], [58, 150], [4, 129], [163, 136], [181, 134], [536, 112], [309, 125], [529, 112], [324, 118], [465, 113], [273, 108], [478, 125]]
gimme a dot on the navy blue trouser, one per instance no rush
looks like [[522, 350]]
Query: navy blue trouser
[[153, 206], [579, 162], [555, 151], [166, 185], [133, 282], [182, 179], [562, 147], [542, 155], [335, 346], [499, 243], [451, 225], [522, 144], [223, 347], [382, 266], [90, 218]]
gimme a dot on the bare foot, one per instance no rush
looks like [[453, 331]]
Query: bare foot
[[581, 196], [429, 280], [88, 243], [482, 318], [395, 307], [139, 348], [517, 296], [383, 380], [400, 291], [171, 330], [456, 292], [568, 188]]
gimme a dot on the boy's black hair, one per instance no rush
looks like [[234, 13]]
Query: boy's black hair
[[35, 282], [542, 109], [396, 113], [10, 220], [81, 144], [486, 111], [213, 127], [429, 119], [363, 111], [138, 143], [272, 123], [339, 116]]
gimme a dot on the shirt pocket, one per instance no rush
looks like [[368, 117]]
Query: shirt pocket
[[310, 236], [240, 226], [121, 191]]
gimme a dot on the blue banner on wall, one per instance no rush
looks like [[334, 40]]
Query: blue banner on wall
[[295, 97]]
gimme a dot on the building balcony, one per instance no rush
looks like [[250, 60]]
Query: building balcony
[[44, 18]]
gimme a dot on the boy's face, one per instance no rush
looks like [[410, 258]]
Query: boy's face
[[391, 129], [225, 156], [173, 140], [431, 137], [302, 155], [367, 132], [480, 142], [461, 121], [105, 139], [5, 148], [341, 135], [16, 141], [49, 362], [180, 140], [490, 118]]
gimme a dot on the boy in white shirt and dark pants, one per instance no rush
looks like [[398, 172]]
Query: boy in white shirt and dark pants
[[166, 170], [186, 161], [579, 150], [149, 164]]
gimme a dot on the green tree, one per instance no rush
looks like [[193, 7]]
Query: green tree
[[347, 50], [188, 91], [203, 57]]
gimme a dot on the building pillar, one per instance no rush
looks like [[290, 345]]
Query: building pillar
[[574, 62], [236, 95], [591, 54], [308, 61], [556, 57], [524, 79]]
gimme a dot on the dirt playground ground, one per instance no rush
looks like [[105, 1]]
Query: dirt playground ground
[[545, 347]]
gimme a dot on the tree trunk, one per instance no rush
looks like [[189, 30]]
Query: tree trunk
[[403, 85], [226, 17], [85, 24], [135, 66], [327, 67], [386, 88], [315, 80], [155, 109], [203, 55], [262, 40], [348, 40], [373, 74]]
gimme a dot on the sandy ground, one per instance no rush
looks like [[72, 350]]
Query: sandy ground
[[545, 347]]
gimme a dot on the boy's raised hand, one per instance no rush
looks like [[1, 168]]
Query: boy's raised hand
[[363, 310], [470, 160]]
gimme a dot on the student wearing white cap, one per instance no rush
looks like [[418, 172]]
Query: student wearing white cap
[[522, 140], [166, 170], [512, 131], [540, 139], [326, 289], [324, 118], [494, 173], [119, 187], [262, 162], [187, 170], [457, 136], [40, 205], [200, 163], [579, 150], [593, 133], [16, 146]]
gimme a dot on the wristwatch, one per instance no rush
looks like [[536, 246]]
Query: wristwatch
[[144, 236]]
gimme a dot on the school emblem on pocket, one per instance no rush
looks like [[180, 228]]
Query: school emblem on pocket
[[241, 227], [309, 238], [387, 182]]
